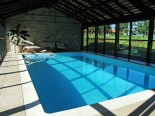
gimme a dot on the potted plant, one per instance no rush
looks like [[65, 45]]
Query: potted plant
[[17, 39]]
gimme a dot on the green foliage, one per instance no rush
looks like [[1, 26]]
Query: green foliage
[[139, 32], [108, 28], [91, 30], [123, 29], [140, 28], [101, 30], [16, 36]]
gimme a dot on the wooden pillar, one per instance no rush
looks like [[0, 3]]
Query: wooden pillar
[[104, 40], [150, 40], [82, 38], [130, 35], [87, 39], [116, 39], [96, 40]]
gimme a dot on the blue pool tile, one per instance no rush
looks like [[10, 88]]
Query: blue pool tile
[[93, 96], [136, 77], [60, 67], [100, 77], [151, 83], [75, 64], [82, 85], [70, 74]]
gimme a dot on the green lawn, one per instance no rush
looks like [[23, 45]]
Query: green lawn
[[135, 44]]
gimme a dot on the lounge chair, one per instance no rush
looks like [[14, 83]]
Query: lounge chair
[[52, 46], [31, 48], [60, 46]]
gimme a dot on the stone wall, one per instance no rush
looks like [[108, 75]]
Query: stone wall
[[2, 29], [48, 25], [2, 40]]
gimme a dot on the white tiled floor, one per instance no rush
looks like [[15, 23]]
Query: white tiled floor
[[11, 97]]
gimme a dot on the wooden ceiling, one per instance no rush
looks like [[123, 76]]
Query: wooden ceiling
[[85, 11]]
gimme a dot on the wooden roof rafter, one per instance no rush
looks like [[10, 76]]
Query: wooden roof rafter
[[111, 9], [94, 6], [67, 7], [83, 11], [123, 7], [80, 19], [22, 10], [11, 3], [120, 20], [152, 1], [90, 10], [141, 6], [17, 6]]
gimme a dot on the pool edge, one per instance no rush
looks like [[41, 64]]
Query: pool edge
[[113, 104]]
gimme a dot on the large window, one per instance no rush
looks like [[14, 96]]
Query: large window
[[100, 39], [91, 38], [110, 39], [139, 39], [84, 46], [123, 45]]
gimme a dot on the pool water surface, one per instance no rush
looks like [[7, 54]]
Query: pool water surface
[[64, 82]]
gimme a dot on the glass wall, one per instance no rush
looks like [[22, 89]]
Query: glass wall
[[123, 44], [138, 45], [84, 46], [139, 39], [100, 39], [110, 39], [91, 38]]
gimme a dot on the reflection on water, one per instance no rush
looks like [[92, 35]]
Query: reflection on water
[[64, 82], [133, 76]]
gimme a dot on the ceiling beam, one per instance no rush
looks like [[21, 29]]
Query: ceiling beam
[[89, 9], [98, 7], [121, 20], [122, 7], [66, 11], [12, 3], [87, 14], [141, 6], [17, 6], [14, 9], [112, 9], [153, 2], [71, 13], [67, 14], [20, 11]]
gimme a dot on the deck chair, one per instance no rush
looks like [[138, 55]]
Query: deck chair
[[60, 46]]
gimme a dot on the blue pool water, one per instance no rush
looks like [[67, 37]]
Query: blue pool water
[[66, 81]]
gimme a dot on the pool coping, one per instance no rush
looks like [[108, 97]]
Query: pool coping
[[34, 107]]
